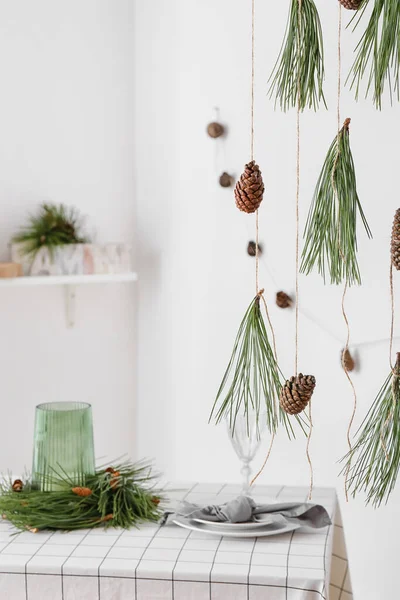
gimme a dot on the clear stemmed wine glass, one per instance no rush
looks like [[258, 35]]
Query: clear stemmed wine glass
[[245, 435]]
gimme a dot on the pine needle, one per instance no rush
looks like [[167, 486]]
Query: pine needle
[[252, 380], [378, 51], [331, 228], [304, 64], [374, 460]]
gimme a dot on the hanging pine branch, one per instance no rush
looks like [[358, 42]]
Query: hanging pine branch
[[374, 461], [330, 233], [252, 380], [301, 59], [378, 51]]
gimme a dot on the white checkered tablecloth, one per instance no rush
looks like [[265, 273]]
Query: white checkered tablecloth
[[171, 563]]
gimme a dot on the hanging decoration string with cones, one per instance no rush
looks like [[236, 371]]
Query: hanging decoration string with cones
[[296, 393], [373, 463], [253, 379]]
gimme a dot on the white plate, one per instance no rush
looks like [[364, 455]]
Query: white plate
[[273, 529], [233, 526]]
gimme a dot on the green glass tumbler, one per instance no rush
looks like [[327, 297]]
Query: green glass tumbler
[[63, 444]]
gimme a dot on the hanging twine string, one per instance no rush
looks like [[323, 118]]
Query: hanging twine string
[[296, 336], [346, 347], [394, 369], [259, 293]]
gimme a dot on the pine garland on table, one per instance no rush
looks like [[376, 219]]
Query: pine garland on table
[[331, 228], [301, 59], [120, 496]]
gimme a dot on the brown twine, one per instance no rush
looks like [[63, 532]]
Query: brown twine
[[346, 347], [261, 295], [394, 369], [296, 357]]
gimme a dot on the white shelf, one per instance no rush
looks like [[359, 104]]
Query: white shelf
[[68, 279], [69, 283]]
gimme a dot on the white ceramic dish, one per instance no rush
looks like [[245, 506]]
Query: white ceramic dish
[[233, 526], [265, 530]]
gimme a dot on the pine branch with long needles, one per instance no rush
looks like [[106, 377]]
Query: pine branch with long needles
[[299, 70], [378, 51], [331, 228], [374, 461], [121, 496], [54, 225], [252, 380]]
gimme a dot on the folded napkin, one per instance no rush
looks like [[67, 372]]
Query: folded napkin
[[243, 509]]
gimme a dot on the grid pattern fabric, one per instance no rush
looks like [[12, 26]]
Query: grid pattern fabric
[[171, 563]]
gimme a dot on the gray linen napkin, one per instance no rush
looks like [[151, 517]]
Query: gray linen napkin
[[243, 509]]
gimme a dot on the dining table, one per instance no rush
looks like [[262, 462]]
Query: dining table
[[164, 561]]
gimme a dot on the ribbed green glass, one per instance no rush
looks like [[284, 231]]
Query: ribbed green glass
[[63, 443]]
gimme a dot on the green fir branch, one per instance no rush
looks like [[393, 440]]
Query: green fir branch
[[300, 61], [331, 228], [378, 51], [252, 380], [374, 461]]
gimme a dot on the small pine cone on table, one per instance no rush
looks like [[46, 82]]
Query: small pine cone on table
[[395, 243], [351, 4], [296, 393], [249, 189]]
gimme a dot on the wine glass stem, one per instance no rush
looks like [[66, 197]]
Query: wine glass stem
[[246, 472]]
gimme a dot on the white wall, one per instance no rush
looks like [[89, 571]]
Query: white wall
[[196, 278], [66, 123]]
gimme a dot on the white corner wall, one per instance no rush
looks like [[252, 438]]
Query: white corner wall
[[196, 278], [66, 122]]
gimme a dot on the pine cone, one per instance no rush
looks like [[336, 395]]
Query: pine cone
[[249, 189], [283, 300], [226, 180], [347, 360], [215, 129], [251, 249], [82, 491], [350, 4], [17, 486], [395, 244], [296, 393]]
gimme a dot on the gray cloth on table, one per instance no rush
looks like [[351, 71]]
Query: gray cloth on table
[[244, 509]]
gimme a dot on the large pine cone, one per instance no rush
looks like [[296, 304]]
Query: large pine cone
[[350, 4], [249, 189], [296, 393], [395, 245]]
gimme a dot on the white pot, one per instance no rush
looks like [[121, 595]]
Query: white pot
[[75, 259]]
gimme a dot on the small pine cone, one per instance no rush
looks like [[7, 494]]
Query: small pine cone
[[351, 4], [215, 129], [155, 500], [249, 189], [114, 479], [251, 249], [348, 363], [17, 486], [296, 393], [82, 491], [283, 300], [395, 244]]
